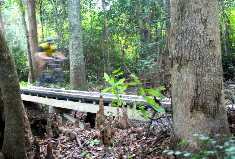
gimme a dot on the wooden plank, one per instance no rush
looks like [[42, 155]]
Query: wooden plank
[[66, 105]]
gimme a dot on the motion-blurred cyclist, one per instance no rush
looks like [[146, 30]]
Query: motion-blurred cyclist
[[45, 52]]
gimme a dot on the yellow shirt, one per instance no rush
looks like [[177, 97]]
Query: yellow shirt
[[48, 49]]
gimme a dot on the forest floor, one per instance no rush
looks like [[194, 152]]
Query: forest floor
[[146, 139]]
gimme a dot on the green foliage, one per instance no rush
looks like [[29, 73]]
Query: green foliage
[[16, 39], [210, 147], [91, 143], [227, 25], [25, 84], [118, 87], [140, 49], [155, 93], [130, 156]]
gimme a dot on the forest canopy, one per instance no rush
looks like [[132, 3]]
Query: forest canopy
[[134, 36]]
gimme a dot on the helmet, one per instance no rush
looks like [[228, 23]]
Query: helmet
[[49, 40]]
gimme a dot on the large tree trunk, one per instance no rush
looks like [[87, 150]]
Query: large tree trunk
[[77, 63], [27, 38], [14, 136], [33, 39], [197, 87]]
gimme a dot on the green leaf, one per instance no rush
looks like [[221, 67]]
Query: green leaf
[[155, 105], [203, 138], [161, 88], [170, 153], [106, 90], [182, 143], [187, 154], [113, 104], [118, 99], [134, 109], [123, 102], [196, 156], [136, 78], [106, 76], [143, 93], [119, 82], [121, 90], [119, 73], [231, 149], [154, 93], [116, 71], [144, 113], [226, 144], [111, 81], [178, 152]]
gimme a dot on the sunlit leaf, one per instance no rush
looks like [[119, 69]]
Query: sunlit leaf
[[144, 113], [115, 71], [106, 90], [119, 82]]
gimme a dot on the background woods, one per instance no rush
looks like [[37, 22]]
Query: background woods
[[128, 34]]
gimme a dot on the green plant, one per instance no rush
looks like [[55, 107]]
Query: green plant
[[93, 142], [86, 155], [129, 156], [116, 87], [25, 84], [119, 88], [210, 147]]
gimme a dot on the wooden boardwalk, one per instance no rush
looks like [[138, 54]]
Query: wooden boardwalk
[[64, 101]]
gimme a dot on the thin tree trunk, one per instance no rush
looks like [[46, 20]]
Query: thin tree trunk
[[41, 19], [197, 86], [1, 22], [77, 63], [27, 37], [166, 53], [33, 39], [107, 38], [143, 34]]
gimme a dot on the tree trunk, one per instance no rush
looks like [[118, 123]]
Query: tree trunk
[[143, 34], [106, 49], [27, 38], [77, 63], [197, 87], [1, 21], [166, 53], [41, 18], [14, 136], [33, 39]]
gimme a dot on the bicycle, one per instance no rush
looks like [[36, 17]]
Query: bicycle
[[52, 74]]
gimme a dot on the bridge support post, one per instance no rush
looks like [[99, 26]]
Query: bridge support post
[[63, 119], [61, 111]]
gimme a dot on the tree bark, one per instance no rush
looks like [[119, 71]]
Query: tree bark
[[143, 34], [77, 63], [166, 53], [27, 39], [1, 21], [106, 49], [197, 87], [33, 39], [14, 136]]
